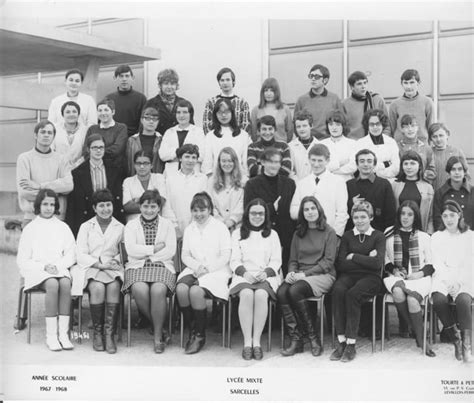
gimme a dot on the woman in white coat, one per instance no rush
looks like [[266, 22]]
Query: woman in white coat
[[409, 264], [206, 255], [185, 132], [150, 241], [45, 253], [99, 270], [256, 263]]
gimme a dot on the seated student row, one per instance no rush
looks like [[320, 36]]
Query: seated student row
[[253, 254]]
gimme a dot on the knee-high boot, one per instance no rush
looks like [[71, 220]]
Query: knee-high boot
[[97, 315], [466, 345], [302, 313], [110, 326], [188, 316], [416, 319], [296, 345], [199, 338], [454, 336]]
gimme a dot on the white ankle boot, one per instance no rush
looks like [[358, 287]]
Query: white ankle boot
[[63, 332], [52, 333]]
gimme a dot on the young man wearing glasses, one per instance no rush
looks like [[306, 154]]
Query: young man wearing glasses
[[318, 101]]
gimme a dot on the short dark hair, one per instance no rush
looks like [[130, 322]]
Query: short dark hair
[[42, 194], [102, 195], [107, 101], [123, 68], [94, 137], [202, 200], [266, 120], [224, 70], [323, 69], [320, 150], [356, 76], [142, 153], [410, 155], [409, 74], [338, 117], [303, 115], [454, 160], [270, 152], [150, 110], [417, 225], [407, 119], [246, 226], [187, 149], [365, 151], [302, 224], [434, 127], [43, 123], [151, 196], [184, 103], [453, 206], [70, 103], [74, 71], [374, 112]]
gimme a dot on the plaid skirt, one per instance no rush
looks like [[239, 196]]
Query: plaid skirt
[[150, 273]]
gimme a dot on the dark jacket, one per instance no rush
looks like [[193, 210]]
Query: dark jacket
[[79, 202], [167, 117]]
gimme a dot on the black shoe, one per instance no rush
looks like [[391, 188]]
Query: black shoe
[[196, 344], [429, 352], [466, 346], [295, 347], [349, 353], [316, 348], [455, 337], [247, 353], [258, 353], [159, 347], [338, 352]]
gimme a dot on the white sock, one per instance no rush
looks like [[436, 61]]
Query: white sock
[[351, 341], [341, 338]]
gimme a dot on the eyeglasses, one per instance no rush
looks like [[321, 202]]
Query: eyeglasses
[[150, 118], [257, 213], [313, 76], [378, 124], [142, 164], [97, 148]]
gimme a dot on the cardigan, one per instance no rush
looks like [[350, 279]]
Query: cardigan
[[49, 171], [134, 145], [128, 108], [138, 252], [79, 202], [331, 192], [94, 246], [88, 115], [170, 144], [464, 197], [167, 118], [256, 254], [133, 189], [255, 153], [426, 206], [241, 108], [45, 241], [209, 246], [283, 120], [361, 262], [315, 253], [72, 153], [420, 105], [213, 146], [319, 106], [228, 202]]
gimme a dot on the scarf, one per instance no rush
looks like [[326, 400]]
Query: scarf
[[368, 100], [413, 251]]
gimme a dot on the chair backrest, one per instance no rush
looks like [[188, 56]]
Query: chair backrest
[[123, 253]]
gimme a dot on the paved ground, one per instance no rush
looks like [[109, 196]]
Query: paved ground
[[400, 354]]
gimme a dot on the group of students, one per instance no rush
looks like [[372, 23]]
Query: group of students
[[262, 219]]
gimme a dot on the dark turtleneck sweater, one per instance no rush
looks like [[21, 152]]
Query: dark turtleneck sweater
[[128, 108]]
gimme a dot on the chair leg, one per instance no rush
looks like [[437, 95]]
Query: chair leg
[[333, 330], [282, 330], [384, 313], [79, 312], [224, 322], [120, 320], [181, 329], [28, 320], [374, 318], [432, 326], [321, 320], [270, 308], [170, 316], [425, 323], [129, 319], [229, 323], [20, 314]]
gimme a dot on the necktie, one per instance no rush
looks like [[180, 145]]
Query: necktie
[[317, 180]]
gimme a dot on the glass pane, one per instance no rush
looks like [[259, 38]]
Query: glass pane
[[385, 72], [382, 29], [15, 138], [291, 71], [288, 33], [450, 25], [456, 66], [15, 114]]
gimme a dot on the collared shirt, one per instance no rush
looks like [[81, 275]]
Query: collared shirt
[[323, 94], [102, 126], [371, 178], [368, 232], [99, 179]]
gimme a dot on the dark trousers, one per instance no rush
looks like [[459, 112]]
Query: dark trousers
[[350, 291]]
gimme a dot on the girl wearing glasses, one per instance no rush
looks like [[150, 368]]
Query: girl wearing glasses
[[136, 185], [385, 148], [225, 133], [148, 140], [452, 250], [256, 262], [93, 174], [185, 132]]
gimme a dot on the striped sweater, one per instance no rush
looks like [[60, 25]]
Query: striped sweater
[[255, 153]]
